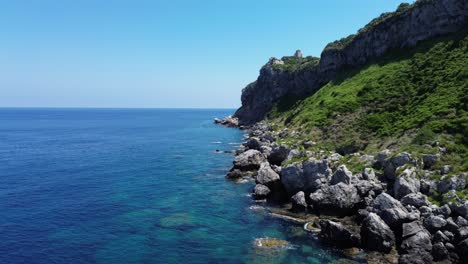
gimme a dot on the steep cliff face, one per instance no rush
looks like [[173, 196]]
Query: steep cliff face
[[405, 27]]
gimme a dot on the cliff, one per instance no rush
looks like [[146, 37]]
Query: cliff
[[298, 77]]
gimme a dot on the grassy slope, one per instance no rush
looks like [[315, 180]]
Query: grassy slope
[[403, 101]]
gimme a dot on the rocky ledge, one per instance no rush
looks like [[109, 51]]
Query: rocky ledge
[[385, 209]]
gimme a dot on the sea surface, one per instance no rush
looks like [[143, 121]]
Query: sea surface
[[131, 186]]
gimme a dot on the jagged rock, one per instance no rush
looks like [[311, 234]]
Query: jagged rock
[[439, 236], [376, 234], [460, 221], [394, 162], [410, 229], [368, 174], [266, 150], [462, 250], [261, 191], [443, 210], [339, 199], [267, 176], [427, 186], [434, 223], [298, 201], [451, 225], [390, 209], [307, 176], [253, 143], [249, 160], [425, 211], [364, 187], [447, 183], [342, 174], [462, 210], [278, 155], [415, 199], [429, 160], [339, 235], [439, 252], [461, 233], [406, 183], [420, 240], [292, 178]]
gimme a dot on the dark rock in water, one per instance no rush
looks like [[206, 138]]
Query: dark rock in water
[[390, 210], [249, 160], [299, 203], [342, 174], [278, 155], [434, 223], [237, 174], [410, 229], [261, 191], [340, 199], [376, 235], [439, 252], [228, 121], [338, 235], [415, 199]]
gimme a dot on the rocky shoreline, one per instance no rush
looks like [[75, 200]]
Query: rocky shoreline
[[384, 210]]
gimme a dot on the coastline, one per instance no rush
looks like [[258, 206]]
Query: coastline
[[380, 215]]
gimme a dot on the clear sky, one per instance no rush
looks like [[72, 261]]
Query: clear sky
[[158, 53]]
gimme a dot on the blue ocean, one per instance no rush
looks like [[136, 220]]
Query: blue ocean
[[131, 186]]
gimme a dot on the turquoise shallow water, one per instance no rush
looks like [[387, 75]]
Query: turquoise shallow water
[[130, 186]]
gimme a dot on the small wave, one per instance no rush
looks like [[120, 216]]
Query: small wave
[[216, 142]]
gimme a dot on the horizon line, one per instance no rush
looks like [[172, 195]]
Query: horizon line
[[104, 107]]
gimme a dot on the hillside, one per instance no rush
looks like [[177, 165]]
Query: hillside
[[402, 29], [405, 100]]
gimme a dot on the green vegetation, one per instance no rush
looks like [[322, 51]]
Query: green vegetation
[[413, 100], [292, 63], [401, 10]]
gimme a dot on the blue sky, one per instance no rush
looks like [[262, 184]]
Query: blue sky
[[160, 53]]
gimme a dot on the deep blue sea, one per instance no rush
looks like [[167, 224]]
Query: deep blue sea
[[130, 186]]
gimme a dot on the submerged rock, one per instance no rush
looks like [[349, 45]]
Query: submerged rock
[[270, 243]]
